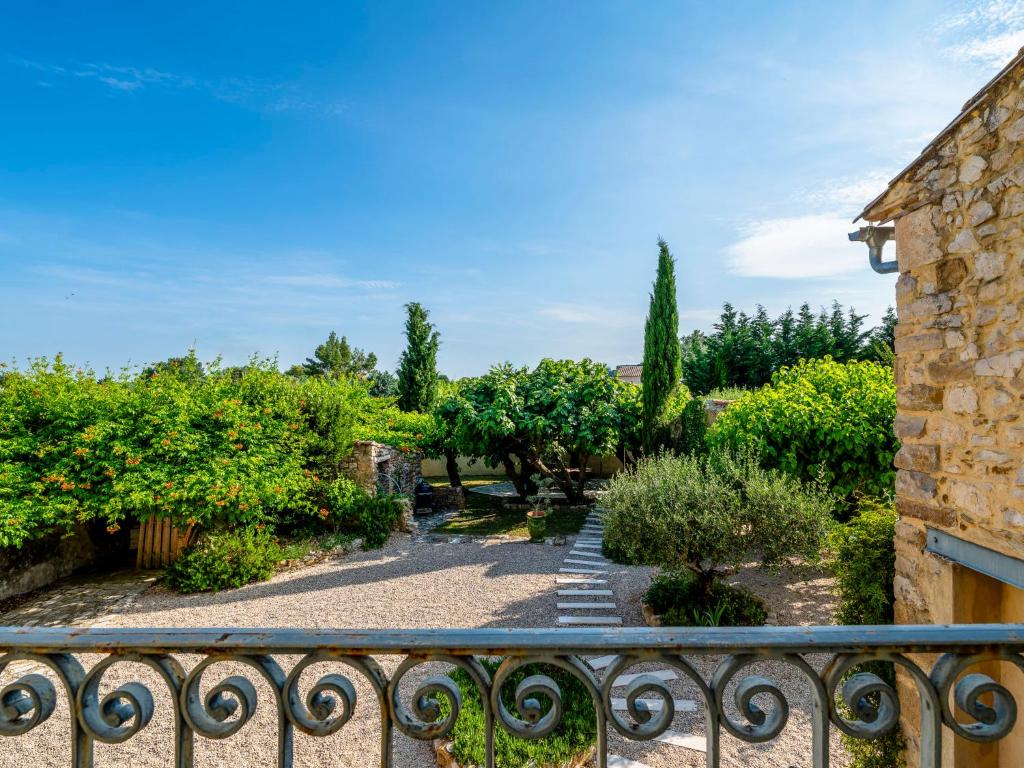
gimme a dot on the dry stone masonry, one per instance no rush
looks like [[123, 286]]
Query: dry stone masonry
[[958, 212]]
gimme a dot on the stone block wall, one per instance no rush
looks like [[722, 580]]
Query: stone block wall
[[379, 468], [959, 219]]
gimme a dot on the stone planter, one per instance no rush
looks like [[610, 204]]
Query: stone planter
[[443, 755]]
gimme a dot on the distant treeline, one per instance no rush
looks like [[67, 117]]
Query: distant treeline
[[745, 350]]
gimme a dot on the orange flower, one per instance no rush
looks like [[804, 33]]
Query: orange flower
[[132, 462], [219, 503], [324, 512], [85, 486], [293, 426], [113, 528], [165, 442], [243, 506], [168, 485], [239, 446], [67, 486], [81, 451], [266, 411], [218, 414], [109, 472]]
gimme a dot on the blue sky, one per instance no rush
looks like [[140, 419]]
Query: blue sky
[[246, 177]]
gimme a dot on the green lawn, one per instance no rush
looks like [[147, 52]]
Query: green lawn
[[485, 515]]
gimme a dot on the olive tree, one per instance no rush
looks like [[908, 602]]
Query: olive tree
[[705, 514]]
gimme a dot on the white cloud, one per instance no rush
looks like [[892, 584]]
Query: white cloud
[[329, 281], [796, 247], [988, 33]]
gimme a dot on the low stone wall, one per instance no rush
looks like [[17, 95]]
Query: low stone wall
[[43, 561], [379, 468]]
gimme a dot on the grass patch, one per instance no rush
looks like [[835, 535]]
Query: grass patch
[[678, 602], [575, 734], [486, 516], [468, 481]]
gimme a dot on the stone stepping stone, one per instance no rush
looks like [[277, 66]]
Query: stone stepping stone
[[682, 705], [589, 544], [582, 570], [589, 620], [661, 674], [575, 561], [585, 553], [602, 661], [618, 761], [676, 739], [580, 581], [584, 606], [584, 593]]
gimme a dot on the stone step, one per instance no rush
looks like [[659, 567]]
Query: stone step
[[589, 620], [585, 553], [564, 580], [584, 606], [582, 570], [682, 705], [584, 593], [602, 661], [618, 761], [588, 543], [661, 674], [676, 739], [575, 561]]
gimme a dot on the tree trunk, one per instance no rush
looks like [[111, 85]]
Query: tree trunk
[[524, 486], [451, 465]]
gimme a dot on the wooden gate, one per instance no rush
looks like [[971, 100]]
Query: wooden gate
[[160, 543]]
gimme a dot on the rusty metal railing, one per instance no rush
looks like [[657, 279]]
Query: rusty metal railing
[[750, 707]]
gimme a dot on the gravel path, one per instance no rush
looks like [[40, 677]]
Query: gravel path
[[432, 581]]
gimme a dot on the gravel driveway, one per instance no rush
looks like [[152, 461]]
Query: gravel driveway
[[432, 581]]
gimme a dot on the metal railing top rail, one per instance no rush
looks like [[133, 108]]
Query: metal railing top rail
[[924, 638]]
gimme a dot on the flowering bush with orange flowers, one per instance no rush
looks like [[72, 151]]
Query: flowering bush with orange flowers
[[198, 444]]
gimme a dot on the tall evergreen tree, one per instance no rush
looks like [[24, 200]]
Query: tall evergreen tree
[[662, 362], [335, 358], [417, 369]]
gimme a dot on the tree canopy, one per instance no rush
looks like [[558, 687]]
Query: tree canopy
[[335, 359], [549, 421], [744, 351]]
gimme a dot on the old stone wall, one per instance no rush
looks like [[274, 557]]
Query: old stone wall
[[379, 468], [43, 562], [960, 354]]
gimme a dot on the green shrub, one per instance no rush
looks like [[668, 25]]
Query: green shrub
[[701, 513], [864, 564], [377, 517], [225, 559], [820, 418], [575, 734], [677, 599], [693, 428]]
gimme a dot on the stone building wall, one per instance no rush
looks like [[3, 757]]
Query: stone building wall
[[959, 220], [379, 468]]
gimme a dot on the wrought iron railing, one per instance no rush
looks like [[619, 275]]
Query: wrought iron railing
[[856, 702]]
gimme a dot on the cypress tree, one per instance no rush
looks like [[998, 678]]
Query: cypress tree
[[417, 368], [662, 361]]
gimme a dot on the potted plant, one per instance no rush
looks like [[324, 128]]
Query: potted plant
[[537, 515]]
